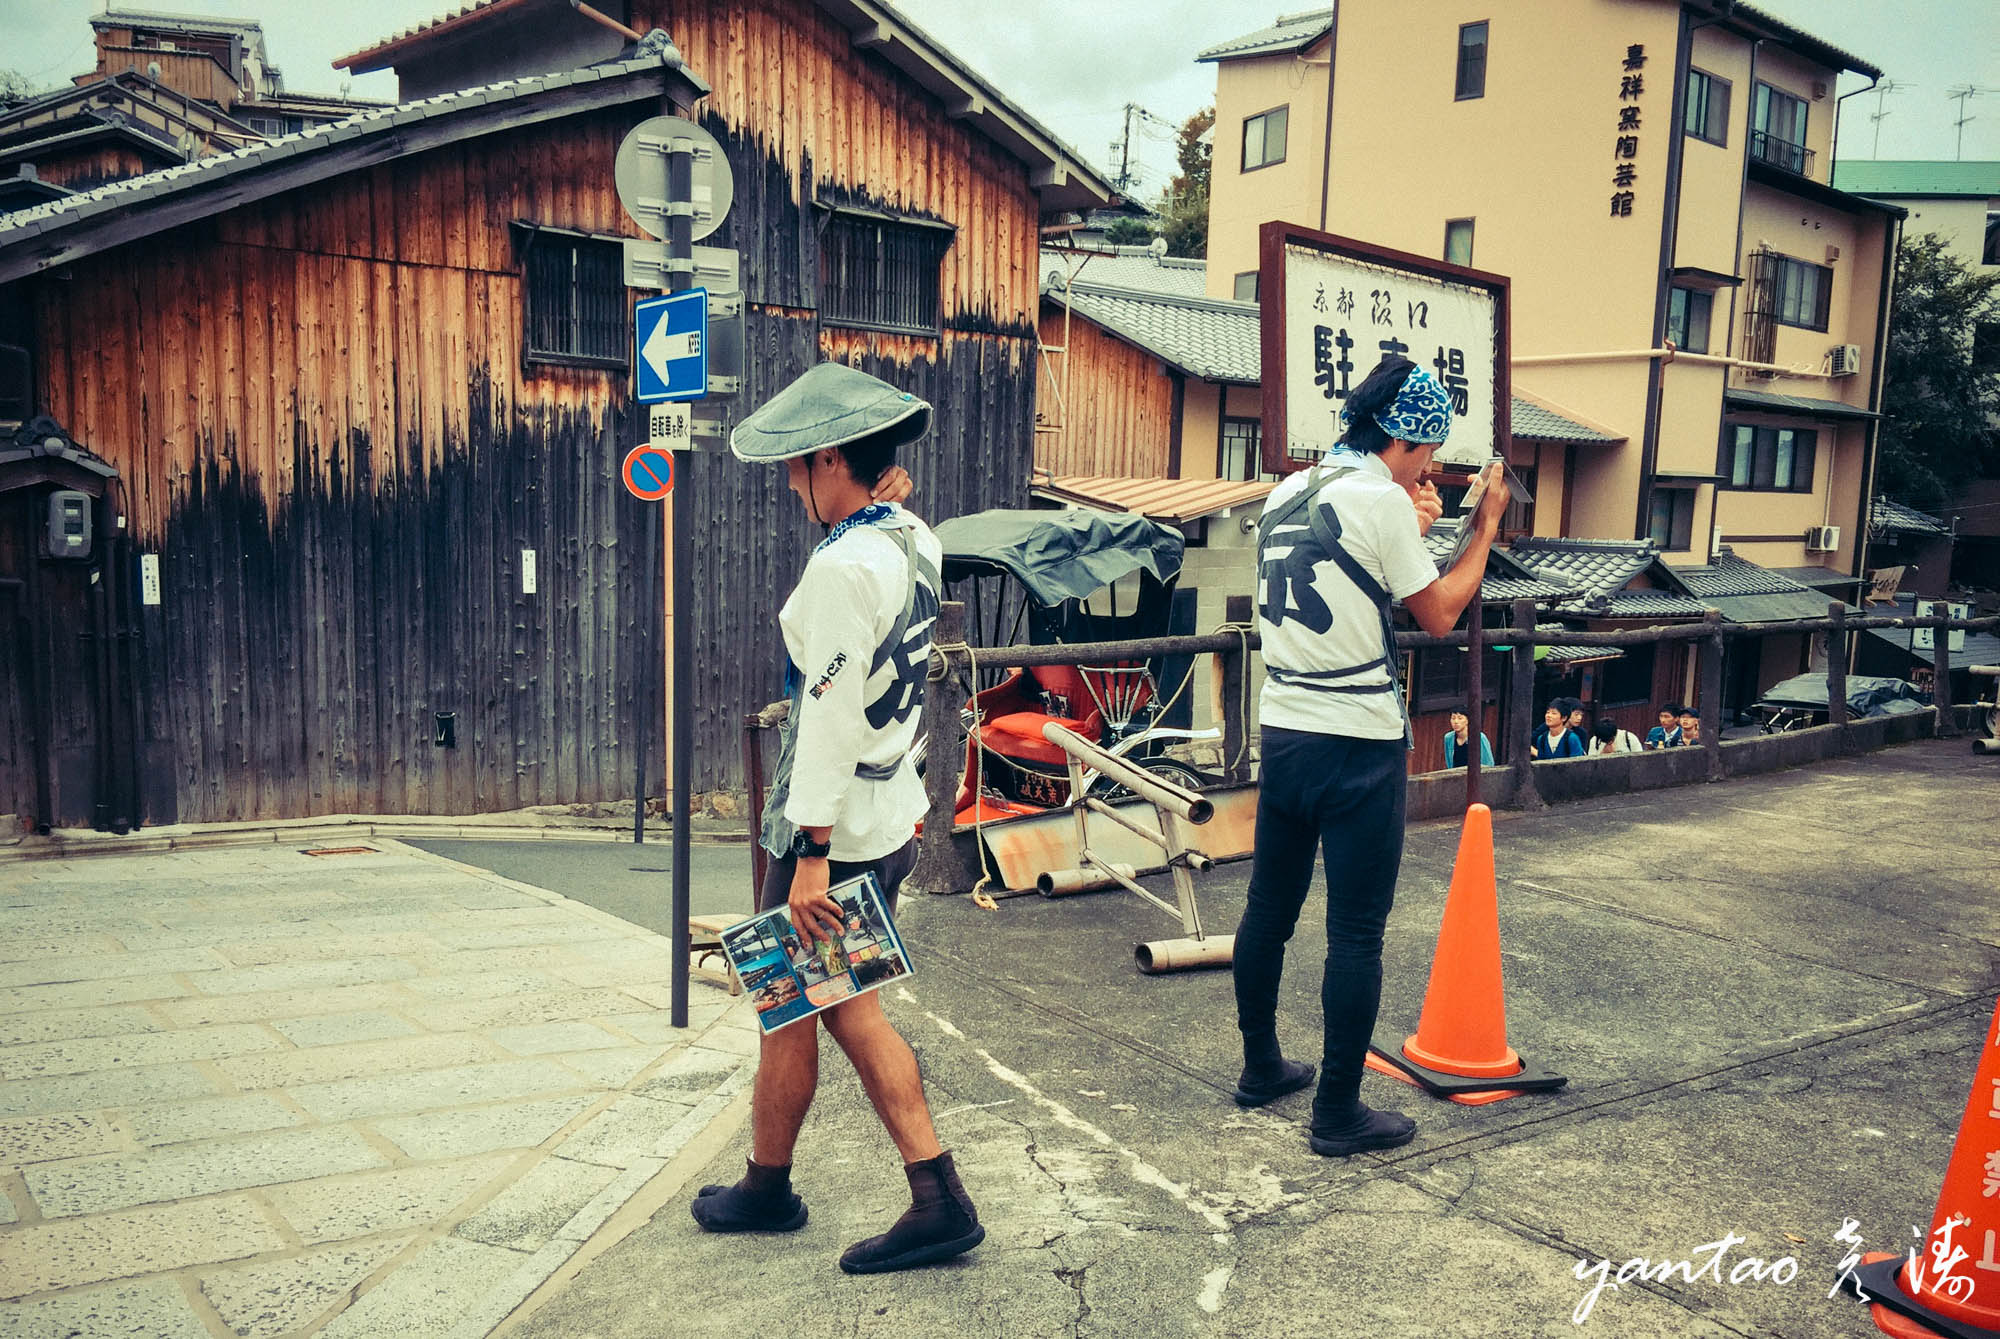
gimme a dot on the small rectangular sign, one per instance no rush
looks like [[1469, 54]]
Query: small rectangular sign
[[1925, 639], [672, 426], [527, 571], [149, 578]]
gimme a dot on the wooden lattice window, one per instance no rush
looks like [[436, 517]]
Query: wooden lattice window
[[879, 273], [574, 310]]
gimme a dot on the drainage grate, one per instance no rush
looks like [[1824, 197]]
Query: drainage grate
[[342, 850]]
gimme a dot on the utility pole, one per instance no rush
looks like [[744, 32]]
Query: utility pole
[[1959, 95], [1125, 150]]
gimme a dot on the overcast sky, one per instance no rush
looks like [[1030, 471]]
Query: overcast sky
[[1075, 67]]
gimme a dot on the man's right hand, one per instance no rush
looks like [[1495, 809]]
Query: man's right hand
[[1493, 506]]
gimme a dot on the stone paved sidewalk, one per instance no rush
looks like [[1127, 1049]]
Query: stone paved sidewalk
[[260, 1093]]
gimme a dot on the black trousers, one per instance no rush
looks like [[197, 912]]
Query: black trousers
[[1343, 797], [889, 872]]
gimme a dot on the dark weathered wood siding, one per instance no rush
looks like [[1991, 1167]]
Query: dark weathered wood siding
[[322, 422]]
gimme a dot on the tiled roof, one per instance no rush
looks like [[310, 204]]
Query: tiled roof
[[1886, 516], [1894, 178], [1175, 500], [1538, 423], [1571, 654], [1595, 566], [1289, 34], [1203, 337], [1133, 267], [1821, 578], [23, 225], [1776, 403], [1731, 575], [1981, 648], [1506, 577], [1640, 604]]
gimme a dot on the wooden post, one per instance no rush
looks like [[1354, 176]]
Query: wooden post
[[1947, 716], [1836, 663], [1711, 693], [1475, 692], [1235, 705], [1519, 726], [938, 869], [753, 775]]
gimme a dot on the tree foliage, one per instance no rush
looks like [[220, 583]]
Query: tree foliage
[[17, 87], [1184, 207], [1942, 396], [1128, 232]]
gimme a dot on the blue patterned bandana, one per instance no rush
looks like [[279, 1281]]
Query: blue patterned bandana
[[1420, 413]]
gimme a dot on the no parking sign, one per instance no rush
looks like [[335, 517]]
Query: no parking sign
[[648, 472]]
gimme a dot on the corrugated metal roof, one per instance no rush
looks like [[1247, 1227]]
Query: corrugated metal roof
[[1289, 33], [26, 225], [1894, 178], [1776, 403], [1821, 578], [1594, 566], [1133, 267], [1887, 516], [1176, 500]]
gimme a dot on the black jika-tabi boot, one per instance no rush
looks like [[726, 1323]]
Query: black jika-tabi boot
[[761, 1202], [1358, 1129], [1258, 1086], [939, 1224]]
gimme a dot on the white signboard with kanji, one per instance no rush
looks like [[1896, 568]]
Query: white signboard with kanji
[[1342, 306]]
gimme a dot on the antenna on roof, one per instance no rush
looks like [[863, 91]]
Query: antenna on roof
[[1882, 90], [1959, 95]]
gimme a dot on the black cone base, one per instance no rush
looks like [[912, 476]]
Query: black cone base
[[1439, 1084], [1882, 1284]]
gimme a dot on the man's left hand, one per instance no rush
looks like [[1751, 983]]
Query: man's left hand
[[1429, 506], [893, 486], [815, 915]]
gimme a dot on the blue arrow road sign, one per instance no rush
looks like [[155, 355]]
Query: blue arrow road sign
[[670, 335]]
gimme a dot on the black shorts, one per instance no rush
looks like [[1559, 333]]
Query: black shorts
[[889, 872]]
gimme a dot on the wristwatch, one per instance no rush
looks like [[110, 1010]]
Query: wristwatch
[[805, 848]]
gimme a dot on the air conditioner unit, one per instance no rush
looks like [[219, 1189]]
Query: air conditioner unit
[[1822, 538], [1843, 360]]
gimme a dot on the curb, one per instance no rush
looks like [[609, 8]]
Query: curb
[[76, 843]]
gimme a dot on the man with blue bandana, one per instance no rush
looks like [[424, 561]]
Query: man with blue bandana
[[1336, 544]]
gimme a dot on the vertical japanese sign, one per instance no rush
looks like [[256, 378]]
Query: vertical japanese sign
[[1334, 307], [1625, 148]]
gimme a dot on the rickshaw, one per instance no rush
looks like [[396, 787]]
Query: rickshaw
[[1049, 577], [1804, 700]]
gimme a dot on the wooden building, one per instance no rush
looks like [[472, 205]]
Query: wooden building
[[355, 381]]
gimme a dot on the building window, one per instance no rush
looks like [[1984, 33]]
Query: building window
[[16, 384], [1707, 116], [880, 274], [1242, 452], [1803, 291], [576, 310], [1246, 286], [1627, 681], [1672, 526], [1440, 678], [1471, 61], [1778, 130], [1991, 254], [1985, 347], [1458, 241], [1688, 311], [1264, 138], [1767, 460]]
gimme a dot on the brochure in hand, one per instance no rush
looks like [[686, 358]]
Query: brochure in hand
[[790, 977]]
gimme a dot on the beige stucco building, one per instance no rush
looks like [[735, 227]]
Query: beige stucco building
[[1653, 178]]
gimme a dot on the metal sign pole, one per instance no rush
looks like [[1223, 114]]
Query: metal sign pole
[[680, 248]]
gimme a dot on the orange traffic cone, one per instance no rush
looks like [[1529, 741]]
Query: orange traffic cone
[[1950, 1288], [1460, 1050]]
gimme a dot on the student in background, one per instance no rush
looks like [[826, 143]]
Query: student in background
[[1578, 723], [1555, 739], [1610, 739], [1690, 727], [1459, 737], [1667, 734]]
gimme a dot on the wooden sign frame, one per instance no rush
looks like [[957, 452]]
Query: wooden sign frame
[[1272, 240]]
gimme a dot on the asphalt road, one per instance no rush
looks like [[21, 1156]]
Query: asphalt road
[[1769, 996], [633, 883]]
